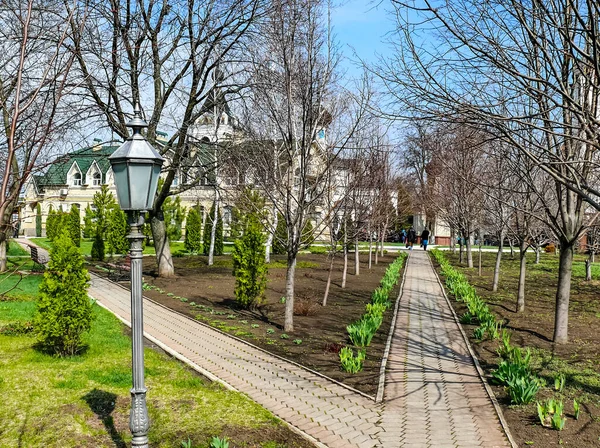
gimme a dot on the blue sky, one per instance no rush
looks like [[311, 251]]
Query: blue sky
[[360, 26]]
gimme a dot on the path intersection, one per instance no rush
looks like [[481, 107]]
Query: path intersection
[[433, 396]]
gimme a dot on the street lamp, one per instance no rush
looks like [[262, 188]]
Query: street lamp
[[136, 167]]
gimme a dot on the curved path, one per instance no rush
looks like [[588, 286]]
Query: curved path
[[433, 396]]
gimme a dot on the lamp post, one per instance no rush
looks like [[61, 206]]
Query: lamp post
[[136, 167]]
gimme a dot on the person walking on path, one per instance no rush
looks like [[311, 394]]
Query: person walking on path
[[425, 238], [411, 238]]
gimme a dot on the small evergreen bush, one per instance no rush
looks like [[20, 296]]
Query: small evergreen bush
[[89, 229], [193, 231], [116, 233], [280, 237], [64, 310], [75, 225], [50, 224], [38, 221], [98, 248], [249, 266]]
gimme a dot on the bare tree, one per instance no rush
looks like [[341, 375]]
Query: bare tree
[[484, 62], [295, 120], [36, 99], [162, 56]]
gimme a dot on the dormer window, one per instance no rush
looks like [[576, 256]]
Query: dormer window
[[96, 179], [77, 180]]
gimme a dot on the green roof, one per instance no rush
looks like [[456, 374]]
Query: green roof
[[57, 172]]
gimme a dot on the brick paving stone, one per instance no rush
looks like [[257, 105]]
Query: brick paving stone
[[433, 396]]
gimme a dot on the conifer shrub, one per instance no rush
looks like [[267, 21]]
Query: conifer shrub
[[249, 266], [64, 310], [38, 221], [280, 237], [116, 232], [89, 229], [98, 248], [193, 231], [308, 235], [75, 225], [51, 224]]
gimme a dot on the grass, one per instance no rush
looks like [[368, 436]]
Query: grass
[[86, 246], [15, 250], [15, 286], [84, 401]]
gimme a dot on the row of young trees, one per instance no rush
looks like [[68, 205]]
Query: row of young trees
[[523, 75]]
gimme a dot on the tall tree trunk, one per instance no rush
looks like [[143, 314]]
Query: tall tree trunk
[[383, 236], [327, 286], [345, 270], [522, 269], [162, 246], [370, 248], [497, 267], [538, 251], [592, 257], [563, 293], [376, 249], [480, 258], [469, 252], [213, 232], [452, 241], [3, 253], [356, 257], [512, 251], [290, 279], [269, 243], [588, 269], [460, 251]]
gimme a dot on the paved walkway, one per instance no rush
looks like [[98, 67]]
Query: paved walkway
[[433, 396]]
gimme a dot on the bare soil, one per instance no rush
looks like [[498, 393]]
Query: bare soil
[[579, 360], [319, 332]]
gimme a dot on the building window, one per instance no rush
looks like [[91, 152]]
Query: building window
[[77, 179], [97, 179]]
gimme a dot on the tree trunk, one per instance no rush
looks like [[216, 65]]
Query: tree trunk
[[288, 325], [328, 280], [213, 233], [469, 253], [370, 249], [522, 269], [3, 254], [383, 236], [592, 257], [356, 257], [345, 270], [563, 293], [480, 259], [460, 252], [452, 241], [538, 251], [512, 251], [162, 246], [497, 267], [269, 243], [588, 269], [376, 250]]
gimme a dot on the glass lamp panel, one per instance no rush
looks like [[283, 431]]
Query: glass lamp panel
[[153, 185], [121, 177], [140, 175]]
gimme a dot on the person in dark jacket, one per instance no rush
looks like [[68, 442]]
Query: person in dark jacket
[[425, 238], [411, 238]]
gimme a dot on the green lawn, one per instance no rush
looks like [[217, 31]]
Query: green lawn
[[84, 401], [86, 246], [15, 250]]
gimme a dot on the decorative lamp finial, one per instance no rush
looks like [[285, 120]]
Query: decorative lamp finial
[[137, 122]]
